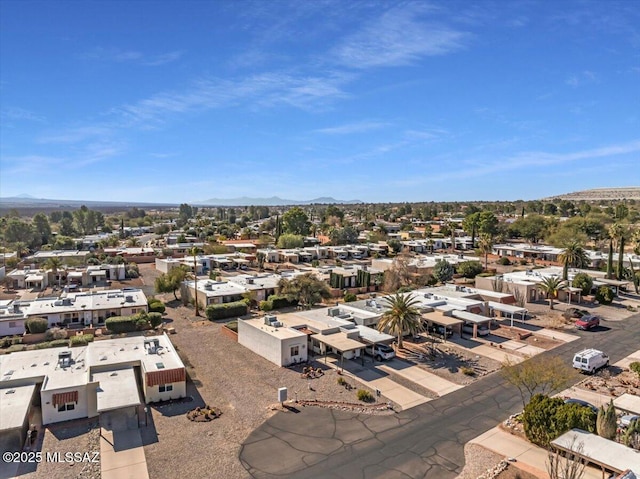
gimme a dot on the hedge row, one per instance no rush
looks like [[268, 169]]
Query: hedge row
[[81, 340], [226, 310], [56, 343]]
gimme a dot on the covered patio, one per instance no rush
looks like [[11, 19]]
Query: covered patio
[[340, 343], [508, 309], [436, 317]]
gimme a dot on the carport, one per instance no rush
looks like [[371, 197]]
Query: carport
[[373, 336], [609, 455], [616, 284], [508, 309], [436, 317], [628, 403], [117, 398], [338, 341], [475, 319]]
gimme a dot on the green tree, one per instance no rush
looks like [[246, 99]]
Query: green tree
[[469, 269], [606, 421], [532, 227], [443, 270], [17, 231], [288, 241], [54, 264], [573, 255], [346, 235], [470, 224], [583, 281], [401, 317], [170, 282], [306, 289], [617, 232], [395, 245], [551, 285], [295, 221], [42, 228]]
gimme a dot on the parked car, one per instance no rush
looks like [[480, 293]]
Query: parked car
[[575, 313], [588, 322], [581, 403], [482, 329], [627, 419], [380, 351], [590, 360], [440, 330]]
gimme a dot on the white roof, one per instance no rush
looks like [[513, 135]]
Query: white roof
[[16, 402], [217, 288], [283, 332], [118, 388], [89, 301], [373, 335], [470, 317], [507, 308], [131, 349], [599, 450], [628, 402]]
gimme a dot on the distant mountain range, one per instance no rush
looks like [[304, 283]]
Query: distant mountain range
[[273, 201], [597, 194], [28, 201]]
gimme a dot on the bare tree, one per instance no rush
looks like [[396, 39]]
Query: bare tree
[[567, 465], [540, 374], [497, 283]]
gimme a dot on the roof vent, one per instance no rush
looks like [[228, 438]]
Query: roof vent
[[64, 359], [128, 299], [152, 345]]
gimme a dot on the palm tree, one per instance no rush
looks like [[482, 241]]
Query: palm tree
[[617, 233], [133, 242], [194, 252], [573, 255], [485, 245], [401, 317], [551, 285], [635, 242], [54, 264]]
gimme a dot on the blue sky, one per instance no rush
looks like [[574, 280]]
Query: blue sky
[[379, 101]]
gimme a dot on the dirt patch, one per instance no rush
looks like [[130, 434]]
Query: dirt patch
[[612, 381], [448, 361], [532, 339]]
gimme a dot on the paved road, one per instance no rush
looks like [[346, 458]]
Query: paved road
[[426, 441]]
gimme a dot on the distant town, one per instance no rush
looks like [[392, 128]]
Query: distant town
[[126, 332]]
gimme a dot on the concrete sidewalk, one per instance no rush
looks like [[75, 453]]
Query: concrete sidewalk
[[482, 349], [564, 337], [405, 398], [122, 455], [633, 357], [420, 376], [529, 457]]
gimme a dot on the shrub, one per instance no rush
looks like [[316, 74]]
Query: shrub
[[341, 381], [232, 325], [55, 333], [606, 421], [278, 301], [226, 310], [635, 367], [523, 262], [266, 306], [156, 306], [155, 319], [119, 324], [350, 297], [81, 340], [315, 263], [16, 340], [44, 345], [36, 325], [5, 342], [56, 343], [443, 270], [504, 261], [582, 281], [469, 269], [467, 371], [364, 395], [604, 295], [16, 348]]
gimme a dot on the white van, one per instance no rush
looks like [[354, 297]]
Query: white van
[[590, 360]]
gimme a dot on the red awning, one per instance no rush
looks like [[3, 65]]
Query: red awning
[[64, 398], [167, 376]]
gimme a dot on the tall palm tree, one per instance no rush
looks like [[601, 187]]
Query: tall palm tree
[[54, 264], [635, 243], [485, 245], [573, 256], [551, 285], [195, 251], [401, 317], [617, 233]]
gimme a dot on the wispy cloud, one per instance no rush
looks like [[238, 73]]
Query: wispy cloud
[[401, 36], [267, 89], [582, 78], [349, 128], [16, 113], [74, 135], [132, 56], [427, 134]]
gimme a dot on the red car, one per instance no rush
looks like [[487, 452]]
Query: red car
[[588, 322]]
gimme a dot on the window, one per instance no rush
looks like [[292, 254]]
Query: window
[[12, 324], [165, 388], [66, 407], [134, 311], [295, 350]]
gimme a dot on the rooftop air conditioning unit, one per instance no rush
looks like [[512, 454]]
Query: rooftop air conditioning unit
[[208, 286], [128, 299], [249, 280], [64, 359], [333, 311], [270, 318]]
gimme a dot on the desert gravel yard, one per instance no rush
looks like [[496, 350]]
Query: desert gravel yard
[[232, 378]]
